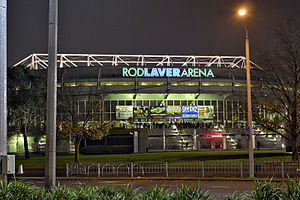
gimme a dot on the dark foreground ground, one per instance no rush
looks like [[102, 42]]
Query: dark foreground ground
[[219, 188]]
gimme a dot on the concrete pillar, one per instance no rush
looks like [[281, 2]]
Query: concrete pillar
[[164, 138], [195, 140], [224, 142]]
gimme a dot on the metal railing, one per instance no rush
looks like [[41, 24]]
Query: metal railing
[[185, 169]]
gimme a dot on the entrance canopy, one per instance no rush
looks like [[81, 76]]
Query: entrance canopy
[[40, 61]]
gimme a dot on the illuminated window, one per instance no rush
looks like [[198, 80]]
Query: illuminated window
[[125, 83], [184, 83], [216, 83], [224, 83], [87, 84], [159, 83], [109, 83], [152, 83], [205, 83], [240, 84], [191, 83], [145, 83], [70, 84]]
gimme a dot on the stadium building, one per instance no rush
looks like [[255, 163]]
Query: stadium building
[[162, 102]]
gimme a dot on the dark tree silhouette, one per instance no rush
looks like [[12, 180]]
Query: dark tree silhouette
[[277, 104]]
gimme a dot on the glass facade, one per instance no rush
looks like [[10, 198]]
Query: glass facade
[[231, 113]]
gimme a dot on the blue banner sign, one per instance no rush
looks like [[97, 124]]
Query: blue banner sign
[[190, 112]]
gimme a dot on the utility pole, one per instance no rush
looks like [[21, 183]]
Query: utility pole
[[3, 79], [50, 169]]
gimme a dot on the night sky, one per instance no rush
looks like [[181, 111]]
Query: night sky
[[198, 27]]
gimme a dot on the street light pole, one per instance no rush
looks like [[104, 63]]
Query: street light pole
[[50, 168], [251, 157], [3, 78]]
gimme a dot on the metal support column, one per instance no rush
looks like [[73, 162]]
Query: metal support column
[[3, 79], [50, 168]]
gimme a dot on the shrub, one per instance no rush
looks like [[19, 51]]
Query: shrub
[[292, 190], [266, 190], [155, 193], [188, 193]]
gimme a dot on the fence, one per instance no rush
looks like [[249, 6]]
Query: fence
[[185, 168]]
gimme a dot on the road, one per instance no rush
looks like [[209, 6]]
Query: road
[[218, 188]]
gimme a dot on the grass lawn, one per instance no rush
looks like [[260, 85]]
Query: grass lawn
[[39, 161]]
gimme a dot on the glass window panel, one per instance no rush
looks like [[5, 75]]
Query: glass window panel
[[152, 103], [96, 107], [146, 103], [200, 103], [184, 103], [113, 106], [242, 107], [139, 103], [160, 103], [125, 83], [106, 117], [145, 83], [106, 106], [81, 106], [159, 83], [235, 106], [128, 103], [207, 103], [113, 116], [220, 106], [121, 103], [170, 103], [177, 103], [220, 117], [190, 102], [81, 117], [214, 103], [109, 83]]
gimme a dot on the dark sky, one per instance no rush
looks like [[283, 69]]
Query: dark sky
[[199, 27]]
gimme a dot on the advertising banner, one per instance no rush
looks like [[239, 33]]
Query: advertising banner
[[206, 112], [174, 112], [140, 112], [158, 112], [124, 112], [190, 112]]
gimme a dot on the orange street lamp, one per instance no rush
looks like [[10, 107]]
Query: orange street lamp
[[243, 13]]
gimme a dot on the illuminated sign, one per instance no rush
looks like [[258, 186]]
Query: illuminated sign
[[211, 136], [206, 112], [124, 112], [174, 112], [167, 72], [158, 112], [190, 112], [141, 112]]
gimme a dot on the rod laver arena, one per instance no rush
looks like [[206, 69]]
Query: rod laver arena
[[162, 102]]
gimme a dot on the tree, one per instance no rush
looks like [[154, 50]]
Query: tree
[[277, 107], [77, 125], [26, 101]]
